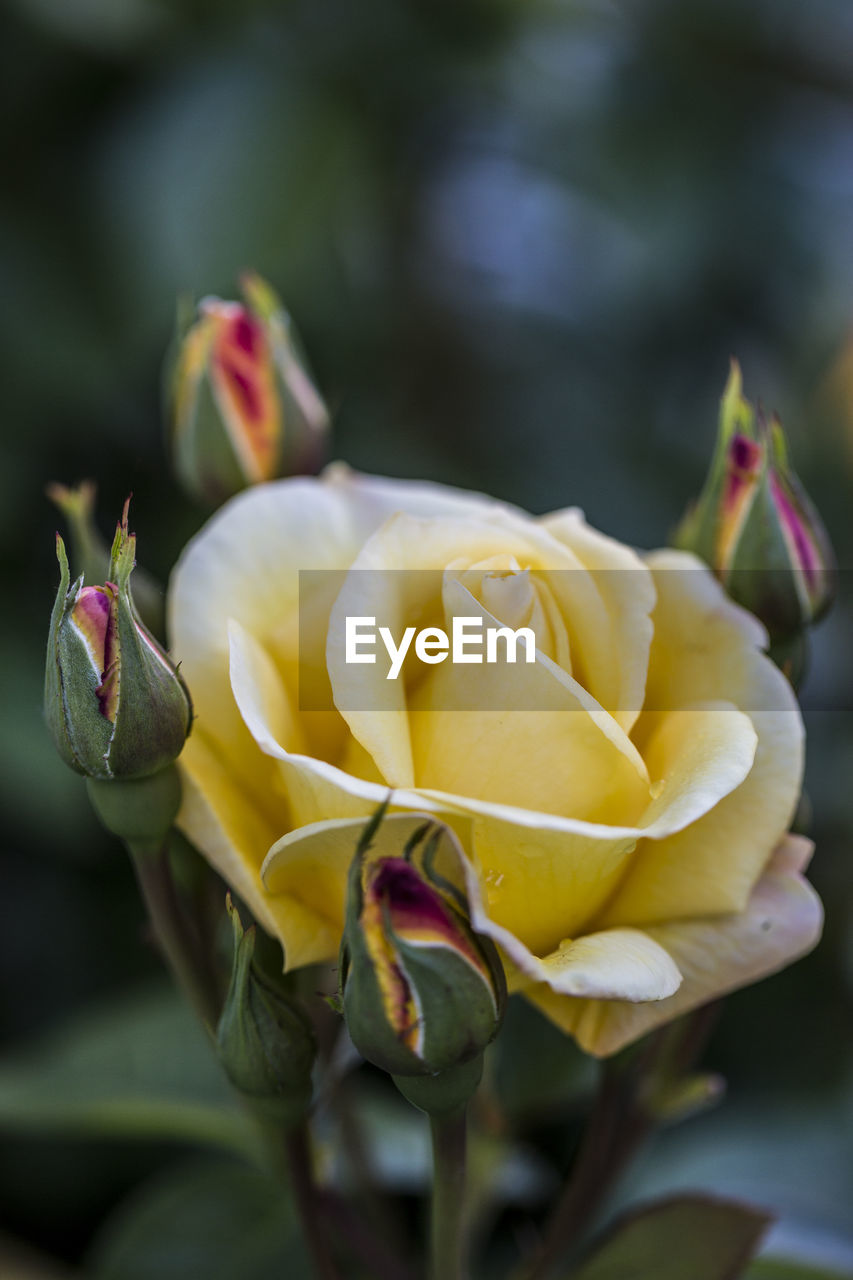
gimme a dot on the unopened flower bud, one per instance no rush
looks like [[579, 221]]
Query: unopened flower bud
[[264, 1039], [422, 993], [115, 705], [242, 405], [755, 526]]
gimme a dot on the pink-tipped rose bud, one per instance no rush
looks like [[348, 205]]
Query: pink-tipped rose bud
[[422, 993], [242, 406], [755, 526], [115, 704]]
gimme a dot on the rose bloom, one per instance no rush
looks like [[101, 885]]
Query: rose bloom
[[623, 811]]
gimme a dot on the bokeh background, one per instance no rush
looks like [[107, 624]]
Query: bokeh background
[[522, 239]]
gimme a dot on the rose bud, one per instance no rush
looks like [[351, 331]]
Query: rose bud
[[264, 1039], [755, 526], [115, 705], [241, 404], [422, 993]]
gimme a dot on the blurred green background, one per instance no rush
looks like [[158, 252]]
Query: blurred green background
[[521, 239]]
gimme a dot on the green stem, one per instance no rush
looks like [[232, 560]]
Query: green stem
[[175, 933], [613, 1133], [449, 1133], [307, 1203]]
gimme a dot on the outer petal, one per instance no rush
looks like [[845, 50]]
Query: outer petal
[[782, 921], [622, 964], [233, 832], [705, 647], [378, 497], [614, 963]]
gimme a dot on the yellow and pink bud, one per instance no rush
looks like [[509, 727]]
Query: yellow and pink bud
[[755, 526], [422, 994], [115, 705], [242, 406]]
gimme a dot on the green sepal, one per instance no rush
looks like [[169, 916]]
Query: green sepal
[[698, 529], [367, 1021], [80, 732], [760, 576], [445, 1092], [154, 711], [205, 458], [154, 714], [305, 417], [460, 1014], [54, 701]]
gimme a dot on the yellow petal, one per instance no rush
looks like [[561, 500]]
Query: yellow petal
[[621, 652], [378, 497], [546, 876], [571, 759], [539, 885], [616, 964], [395, 579], [235, 831], [610, 964], [256, 684], [706, 647], [308, 789], [308, 867], [244, 565], [782, 921]]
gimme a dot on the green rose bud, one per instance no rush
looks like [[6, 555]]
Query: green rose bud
[[422, 993], [241, 403], [755, 526], [265, 1041], [115, 705]]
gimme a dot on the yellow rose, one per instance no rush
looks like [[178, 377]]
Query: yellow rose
[[623, 817]]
